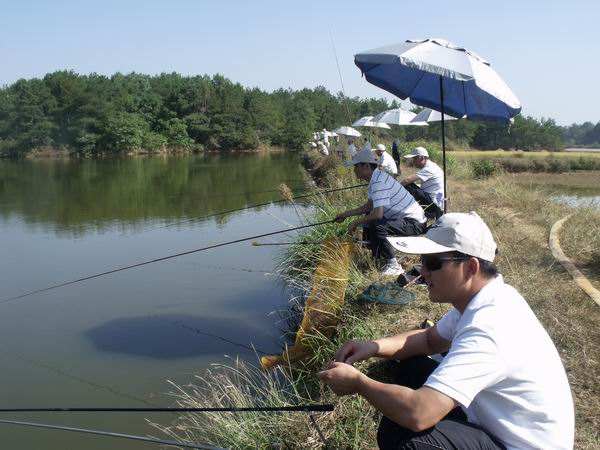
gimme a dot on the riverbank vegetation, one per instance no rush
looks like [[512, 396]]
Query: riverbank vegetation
[[520, 218], [89, 115]]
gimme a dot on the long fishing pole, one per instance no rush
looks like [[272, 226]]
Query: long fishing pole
[[295, 408], [258, 205], [164, 258], [112, 434]]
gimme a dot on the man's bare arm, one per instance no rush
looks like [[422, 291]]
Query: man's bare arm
[[410, 179], [414, 409], [412, 343]]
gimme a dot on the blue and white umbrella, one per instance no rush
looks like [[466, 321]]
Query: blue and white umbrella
[[367, 121], [398, 116], [437, 74], [429, 115]]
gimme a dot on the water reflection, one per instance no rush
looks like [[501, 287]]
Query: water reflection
[[576, 201], [74, 197]]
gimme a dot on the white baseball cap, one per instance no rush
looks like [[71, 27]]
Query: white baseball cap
[[364, 156], [463, 232], [418, 151], [380, 147]]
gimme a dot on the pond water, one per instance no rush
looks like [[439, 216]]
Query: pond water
[[114, 341]]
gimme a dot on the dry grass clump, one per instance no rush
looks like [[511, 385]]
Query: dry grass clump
[[242, 385], [580, 240]]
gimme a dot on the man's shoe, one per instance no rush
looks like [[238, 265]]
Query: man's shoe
[[392, 270]]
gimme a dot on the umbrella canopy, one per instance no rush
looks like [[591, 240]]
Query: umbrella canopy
[[367, 121], [437, 74], [413, 69], [429, 115], [347, 131], [396, 116]]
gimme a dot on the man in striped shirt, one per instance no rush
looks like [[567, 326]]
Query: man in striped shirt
[[431, 192], [389, 211]]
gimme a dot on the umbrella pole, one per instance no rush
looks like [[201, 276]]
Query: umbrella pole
[[443, 143]]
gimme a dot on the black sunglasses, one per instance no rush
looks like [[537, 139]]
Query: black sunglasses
[[434, 262]]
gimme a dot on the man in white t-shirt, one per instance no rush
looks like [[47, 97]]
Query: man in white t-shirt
[[389, 211], [386, 162], [501, 369], [430, 194], [351, 147]]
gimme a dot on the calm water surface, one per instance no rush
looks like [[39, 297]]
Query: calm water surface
[[114, 341]]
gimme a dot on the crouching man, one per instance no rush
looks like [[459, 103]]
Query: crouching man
[[389, 211], [500, 386]]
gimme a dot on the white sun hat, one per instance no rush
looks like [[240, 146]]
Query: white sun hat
[[463, 232], [418, 151], [380, 147]]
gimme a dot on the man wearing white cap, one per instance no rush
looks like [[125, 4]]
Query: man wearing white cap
[[500, 386], [386, 162], [431, 192], [389, 211]]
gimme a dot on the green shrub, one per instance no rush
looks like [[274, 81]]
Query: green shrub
[[483, 168], [558, 165]]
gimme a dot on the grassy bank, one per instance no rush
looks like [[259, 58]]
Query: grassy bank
[[520, 218]]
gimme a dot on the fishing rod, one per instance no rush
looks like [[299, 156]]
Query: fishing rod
[[340, 74], [258, 205], [112, 434], [164, 258], [265, 244], [296, 408]]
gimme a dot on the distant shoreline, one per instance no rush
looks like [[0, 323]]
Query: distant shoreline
[[52, 153], [585, 150]]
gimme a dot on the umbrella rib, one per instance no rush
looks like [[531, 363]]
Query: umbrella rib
[[420, 79], [464, 98]]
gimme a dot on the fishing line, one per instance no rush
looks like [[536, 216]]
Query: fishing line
[[62, 372], [112, 434], [258, 205], [340, 74], [164, 258], [204, 333]]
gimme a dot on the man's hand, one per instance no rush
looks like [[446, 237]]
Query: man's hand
[[353, 351], [343, 379], [340, 217]]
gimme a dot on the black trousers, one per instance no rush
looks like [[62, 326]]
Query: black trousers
[[432, 211], [377, 232], [453, 432]]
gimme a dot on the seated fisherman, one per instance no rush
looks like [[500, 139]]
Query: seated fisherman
[[386, 162], [389, 211], [430, 194], [502, 369]]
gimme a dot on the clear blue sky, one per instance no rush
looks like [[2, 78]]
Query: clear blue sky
[[545, 50]]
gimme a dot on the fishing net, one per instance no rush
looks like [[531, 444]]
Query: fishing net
[[326, 298], [388, 293]]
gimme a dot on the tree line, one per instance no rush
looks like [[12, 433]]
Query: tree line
[[95, 114]]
